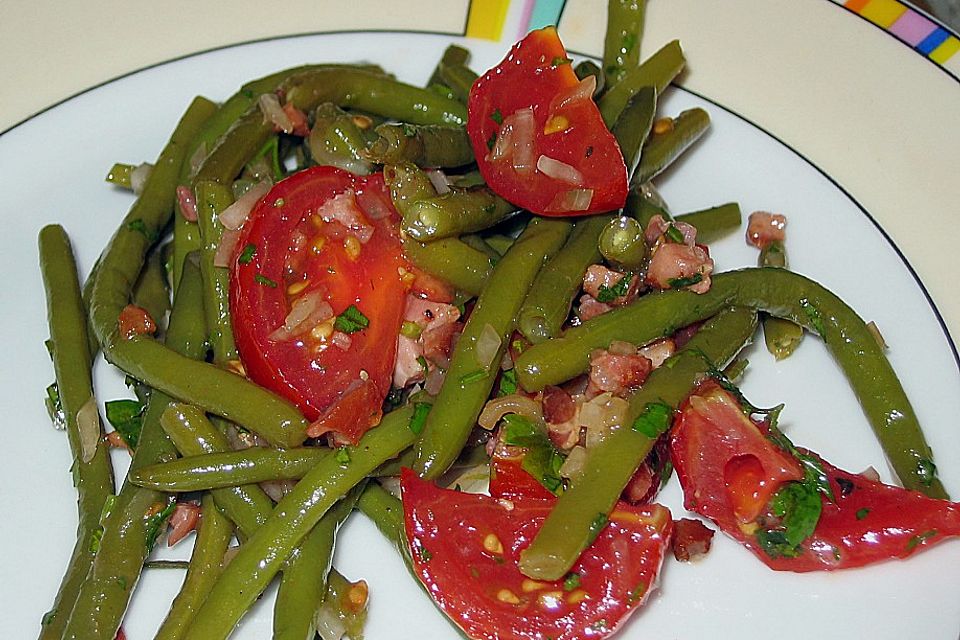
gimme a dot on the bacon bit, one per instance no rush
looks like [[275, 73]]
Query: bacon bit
[[589, 308], [430, 287], [343, 209], [691, 539], [658, 351], [437, 342], [638, 489], [297, 119], [618, 373], [558, 406], [598, 276], [187, 202], [764, 227], [658, 226], [672, 262], [115, 440], [407, 369], [135, 321], [273, 113], [183, 520]]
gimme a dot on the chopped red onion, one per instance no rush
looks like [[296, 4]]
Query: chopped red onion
[[237, 213], [228, 242], [583, 91], [187, 202], [138, 177], [343, 208], [439, 181], [572, 200], [559, 170], [272, 112], [341, 340]]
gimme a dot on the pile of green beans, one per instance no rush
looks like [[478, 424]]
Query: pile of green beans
[[521, 272]]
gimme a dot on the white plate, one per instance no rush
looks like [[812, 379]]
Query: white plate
[[52, 172]]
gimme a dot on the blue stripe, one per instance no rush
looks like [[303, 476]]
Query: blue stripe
[[933, 41], [545, 13]]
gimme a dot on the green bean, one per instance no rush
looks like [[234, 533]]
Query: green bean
[[424, 145], [643, 203], [780, 336], [450, 259], [125, 540], [657, 71], [213, 537], [453, 55], [611, 463], [715, 222], [187, 426], [386, 512], [229, 469], [120, 175], [336, 140], [780, 293], [633, 126], [303, 586], [454, 213], [469, 380], [339, 613], [662, 149], [212, 199], [588, 68], [72, 361], [499, 242], [408, 185], [621, 44], [147, 360], [261, 557], [458, 78], [622, 242], [548, 303], [480, 244], [151, 291]]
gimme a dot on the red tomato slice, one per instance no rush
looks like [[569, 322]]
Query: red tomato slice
[[868, 522], [529, 108], [328, 236], [466, 547]]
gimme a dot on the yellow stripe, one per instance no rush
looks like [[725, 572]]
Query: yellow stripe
[[946, 49], [486, 18], [883, 12]]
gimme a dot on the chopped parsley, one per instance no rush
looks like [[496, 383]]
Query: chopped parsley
[[571, 582], [419, 418], [674, 235], [927, 471], [409, 130], [862, 513], [265, 281], [920, 539], [655, 419], [542, 460], [421, 552], [126, 417], [798, 506], [638, 592], [597, 525], [247, 254], [154, 524], [491, 141], [342, 457], [609, 294], [680, 283], [813, 315], [54, 408], [139, 226], [423, 364], [351, 320], [496, 116], [508, 383]]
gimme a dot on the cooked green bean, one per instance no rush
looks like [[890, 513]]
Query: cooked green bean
[[212, 199], [454, 213], [336, 140], [214, 533], [450, 259], [386, 512], [72, 361], [612, 462], [468, 380], [663, 148], [643, 203], [780, 336], [589, 68], [340, 612], [408, 185], [452, 55], [633, 126], [477, 242], [657, 71], [622, 243], [458, 78], [548, 302], [424, 145], [621, 43], [151, 291], [261, 557], [715, 222], [134, 517], [780, 293]]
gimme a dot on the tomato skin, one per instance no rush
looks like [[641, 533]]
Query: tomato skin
[[869, 521], [483, 591], [529, 78], [341, 389]]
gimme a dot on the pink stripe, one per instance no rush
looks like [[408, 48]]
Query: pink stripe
[[912, 28], [525, 16]]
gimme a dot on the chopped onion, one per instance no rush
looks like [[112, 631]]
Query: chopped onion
[[343, 208], [434, 381], [328, 624], [306, 312], [488, 344], [276, 489], [601, 414], [583, 91], [572, 200], [572, 467], [439, 181], [237, 213], [88, 425], [272, 112], [559, 170], [187, 202], [341, 340], [513, 403], [524, 129], [138, 177], [373, 205], [228, 242], [504, 144], [198, 157], [870, 473]]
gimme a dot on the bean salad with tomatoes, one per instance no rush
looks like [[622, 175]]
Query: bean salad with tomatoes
[[465, 311]]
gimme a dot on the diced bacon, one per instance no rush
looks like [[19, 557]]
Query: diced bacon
[[565, 435], [437, 342], [618, 373], [408, 369], [297, 119], [439, 323], [187, 202], [589, 308], [558, 406], [641, 486], [691, 539], [427, 313], [431, 287], [765, 227], [657, 227], [672, 262], [343, 209], [658, 351], [183, 520], [135, 321], [600, 276]]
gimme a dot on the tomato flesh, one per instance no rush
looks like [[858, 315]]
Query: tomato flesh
[[729, 469], [466, 548], [537, 75], [337, 379]]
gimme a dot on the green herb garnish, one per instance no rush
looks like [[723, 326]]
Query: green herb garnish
[[265, 281], [674, 235], [351, 320], [419, 418], [680, 283], [508, 383], [496, 116], [342, 457], [541, 460], [862, 513], [473, 376], [609, 294], [247, 254], [126, 417], [655, 419], [571, 582], [154, 524]]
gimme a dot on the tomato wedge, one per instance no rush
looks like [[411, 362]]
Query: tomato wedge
[[317, 296], [733, 472], [465, 549], [538, 137]]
